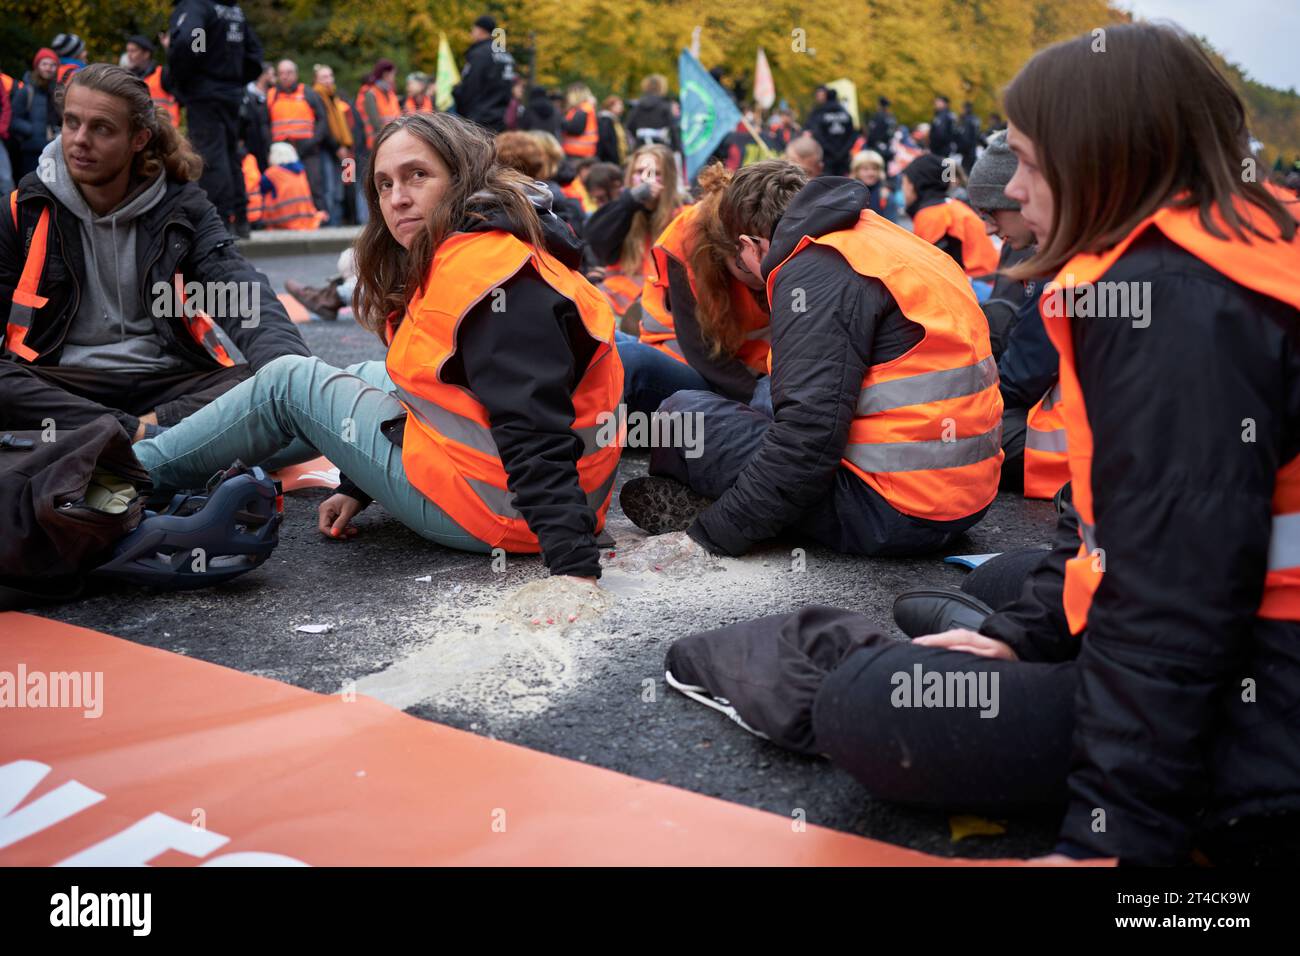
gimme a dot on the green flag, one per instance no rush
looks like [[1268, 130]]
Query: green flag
[[447, 74]]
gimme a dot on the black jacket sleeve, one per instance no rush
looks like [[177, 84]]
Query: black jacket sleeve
[[576, 125], [473, 78], [820, 355], [608, 227], [1182, 502], [1029, 365], [727, 374], [214, 258], [182, 60], [523, 364]]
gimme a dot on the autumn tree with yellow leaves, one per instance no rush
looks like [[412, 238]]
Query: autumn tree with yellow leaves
[[905, 49]]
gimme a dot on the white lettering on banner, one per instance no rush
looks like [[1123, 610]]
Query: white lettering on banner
[[17, 780], [142, 841], [134, 846]]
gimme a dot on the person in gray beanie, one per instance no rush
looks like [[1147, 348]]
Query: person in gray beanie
[[1028, 365], [1001, 214]]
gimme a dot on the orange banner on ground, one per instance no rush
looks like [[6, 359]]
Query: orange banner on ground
[[112, 753]]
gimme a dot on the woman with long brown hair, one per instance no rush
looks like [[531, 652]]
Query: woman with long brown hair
[[704, 316], [621, 233], [480, 429], [1146, 681]]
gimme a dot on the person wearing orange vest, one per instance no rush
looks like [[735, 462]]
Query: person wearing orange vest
[[285, 193], [886, 438], [252, 187], [580, 127], [1033, 432], [948, 223], [483, 427], [112, 268], [1147, 671], [377, 101], [139, 60], [298, 118], [699, 330], [417, 97], [71, 50]]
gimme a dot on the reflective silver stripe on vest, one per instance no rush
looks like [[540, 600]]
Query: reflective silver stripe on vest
[[1284, 545], [466, 431], [672, 344], [1052, 397], [882, 457], [928, 387], [501, 502], [764, 333], [1045, 441]]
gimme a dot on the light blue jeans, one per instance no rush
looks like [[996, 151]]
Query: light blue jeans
[[292, 410]]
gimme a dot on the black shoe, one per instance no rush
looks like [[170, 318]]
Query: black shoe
[[924, 611], [659, 505]]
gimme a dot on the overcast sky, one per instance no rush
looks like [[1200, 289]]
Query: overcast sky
[[1262, 36]]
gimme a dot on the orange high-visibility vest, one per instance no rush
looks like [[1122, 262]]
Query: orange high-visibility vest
[[417, 104], [292, 119], [65, 71], [619, 289], [253, 187], [657, 327], [388, 106], [584, 144], [927, 432], [291, 206], [27, 299], [1047, 467], [448, 451], [1266, 267], [161, 98], [954, 218], [577, 189]]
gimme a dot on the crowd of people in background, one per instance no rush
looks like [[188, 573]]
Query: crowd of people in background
[[851, 307]]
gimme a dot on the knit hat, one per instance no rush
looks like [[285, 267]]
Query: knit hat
[[926, 175], [42, 53], [143, 42], [485, 22], [990, 175], [67, 45]]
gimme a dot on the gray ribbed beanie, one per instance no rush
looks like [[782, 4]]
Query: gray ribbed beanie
[[990, 175]]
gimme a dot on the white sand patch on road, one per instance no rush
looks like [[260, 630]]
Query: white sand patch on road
[[513, 655]]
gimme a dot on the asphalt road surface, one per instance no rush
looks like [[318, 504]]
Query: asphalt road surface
[[401, 616]]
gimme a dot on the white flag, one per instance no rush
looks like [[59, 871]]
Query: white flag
[[764, 88]]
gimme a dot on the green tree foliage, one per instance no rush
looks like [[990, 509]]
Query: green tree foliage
[[906, 49]]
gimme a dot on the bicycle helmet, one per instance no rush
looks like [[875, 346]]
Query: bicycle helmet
[[202, 539]]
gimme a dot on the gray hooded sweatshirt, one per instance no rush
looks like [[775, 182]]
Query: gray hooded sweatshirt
[[113, 330]]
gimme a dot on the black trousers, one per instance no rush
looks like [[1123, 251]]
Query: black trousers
[[214, 132], [71, 397], [851, 518], [1014, 423]]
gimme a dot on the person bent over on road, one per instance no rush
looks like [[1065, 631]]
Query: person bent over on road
[[886, 432]]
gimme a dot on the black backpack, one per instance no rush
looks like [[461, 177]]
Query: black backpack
[[52, 534]]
